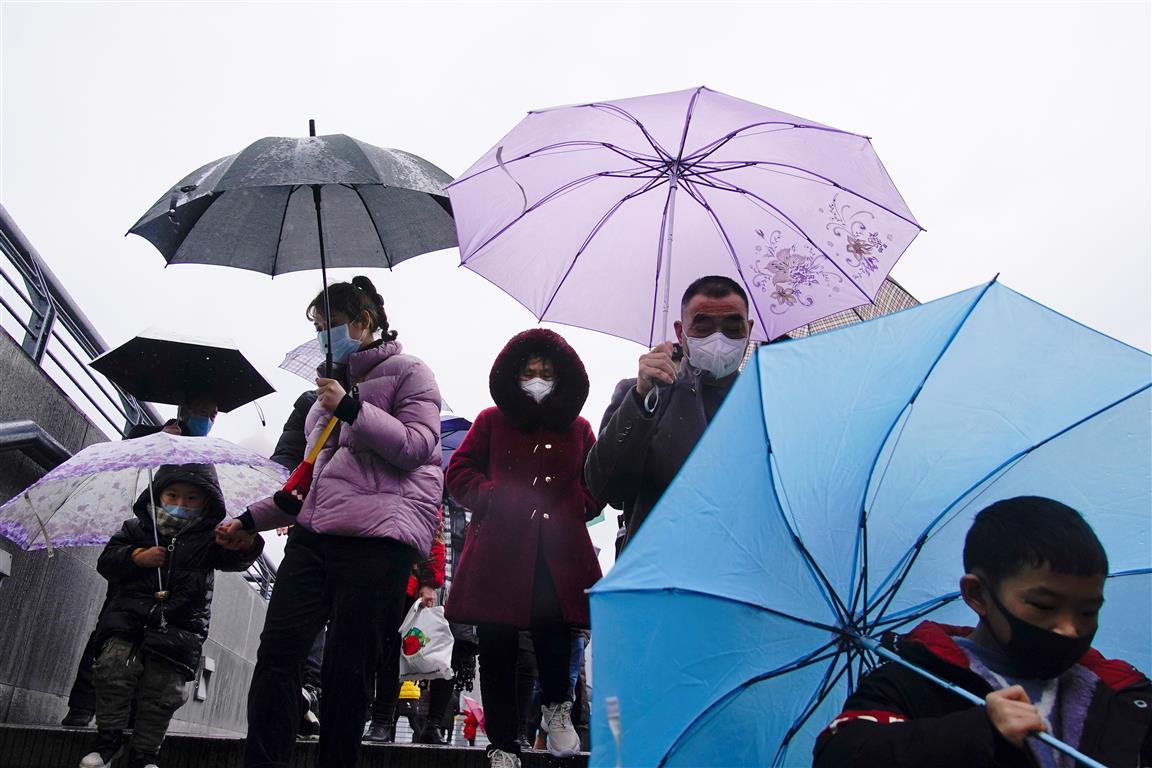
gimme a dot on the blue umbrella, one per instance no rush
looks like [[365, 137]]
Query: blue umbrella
[[453, 428], [829, 500]]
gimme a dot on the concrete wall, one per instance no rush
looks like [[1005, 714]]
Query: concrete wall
[[48, 606]]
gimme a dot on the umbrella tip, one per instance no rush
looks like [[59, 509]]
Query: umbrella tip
[[311, 127]]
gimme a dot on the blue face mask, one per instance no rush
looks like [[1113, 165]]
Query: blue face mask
[[342, 344], [181, 513], [198, 426]]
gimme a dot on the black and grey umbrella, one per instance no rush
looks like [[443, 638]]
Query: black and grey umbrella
[[162, 367], [290, 204]]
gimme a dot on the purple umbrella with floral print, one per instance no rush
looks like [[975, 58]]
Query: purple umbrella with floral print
[[83, 501], [576, 211]]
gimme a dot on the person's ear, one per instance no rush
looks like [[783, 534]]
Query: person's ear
[[679, 328], [974, 593], [751, 322]]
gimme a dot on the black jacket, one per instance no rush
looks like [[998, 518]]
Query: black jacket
[[896, 718], [638, 454], [133, 611], [293, 440]]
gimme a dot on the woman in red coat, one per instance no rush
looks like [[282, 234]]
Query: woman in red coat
[[527, 557]]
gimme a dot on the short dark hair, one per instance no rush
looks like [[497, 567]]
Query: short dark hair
[[1032, 531], [714, 287]]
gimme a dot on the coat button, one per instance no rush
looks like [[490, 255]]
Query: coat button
[[547, 479]]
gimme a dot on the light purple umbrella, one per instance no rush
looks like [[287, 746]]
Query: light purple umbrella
[[83, 501], [600, 215]]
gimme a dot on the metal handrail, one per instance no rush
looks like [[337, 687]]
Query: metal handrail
[[54, 315]]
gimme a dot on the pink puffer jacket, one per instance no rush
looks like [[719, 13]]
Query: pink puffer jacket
[[380, 475]]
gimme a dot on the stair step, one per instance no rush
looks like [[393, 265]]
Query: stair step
[[40, 746]]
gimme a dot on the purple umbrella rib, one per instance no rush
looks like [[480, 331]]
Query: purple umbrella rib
[[570, 146], [784, 219], [708, 149], [698, 196], [534, 207], [591, 235]]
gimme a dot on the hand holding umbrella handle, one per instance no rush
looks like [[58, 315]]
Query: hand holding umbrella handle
[[301, 478]]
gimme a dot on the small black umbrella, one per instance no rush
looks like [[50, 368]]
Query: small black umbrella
[[161, 367], [290, 204]]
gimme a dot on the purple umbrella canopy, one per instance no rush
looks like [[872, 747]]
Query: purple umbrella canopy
[[83, 501], [599, 215]]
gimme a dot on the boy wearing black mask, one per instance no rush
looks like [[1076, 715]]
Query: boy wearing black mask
[[1035, 576]]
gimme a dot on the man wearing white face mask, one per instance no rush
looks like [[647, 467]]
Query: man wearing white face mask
[[655, 419]]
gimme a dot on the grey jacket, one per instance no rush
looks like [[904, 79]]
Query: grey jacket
[[638, 454]]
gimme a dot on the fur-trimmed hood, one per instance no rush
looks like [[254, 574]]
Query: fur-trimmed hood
[[563, 405]]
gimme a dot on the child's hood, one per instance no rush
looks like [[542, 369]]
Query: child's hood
[[203, 476]]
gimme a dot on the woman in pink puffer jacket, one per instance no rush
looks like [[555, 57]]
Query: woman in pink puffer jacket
[[371, 512]]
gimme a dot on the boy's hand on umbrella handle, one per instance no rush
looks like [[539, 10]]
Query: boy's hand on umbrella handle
[[427, 596], [329, 393], [656, 367], [152, 557], [1013, 714]]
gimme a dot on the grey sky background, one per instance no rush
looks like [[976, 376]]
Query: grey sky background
[[1018, 134]]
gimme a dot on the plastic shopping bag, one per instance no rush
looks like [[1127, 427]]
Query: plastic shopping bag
[[425, 644]]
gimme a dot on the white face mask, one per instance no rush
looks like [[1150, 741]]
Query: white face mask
[[717, 354], [537, 388]]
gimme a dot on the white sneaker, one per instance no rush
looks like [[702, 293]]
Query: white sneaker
[[556, 721], [501, 759], [92, 760]]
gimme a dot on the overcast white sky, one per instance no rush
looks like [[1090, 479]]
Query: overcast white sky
[[1018, 134]]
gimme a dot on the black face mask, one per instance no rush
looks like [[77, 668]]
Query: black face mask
[[1038, 653]]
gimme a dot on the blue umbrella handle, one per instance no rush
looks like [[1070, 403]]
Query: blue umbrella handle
[[875, 647]]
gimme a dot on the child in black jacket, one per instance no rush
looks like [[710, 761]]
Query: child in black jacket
[[153, 628], [1035, 576]]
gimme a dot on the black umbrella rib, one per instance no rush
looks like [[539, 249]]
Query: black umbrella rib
[[1002, 468], [815, 657], [592, 234], [280, 233], [387, 259], [724, 598], [813, 567], [918, 390]]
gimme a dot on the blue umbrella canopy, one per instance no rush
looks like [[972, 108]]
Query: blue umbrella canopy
[[830, 498]]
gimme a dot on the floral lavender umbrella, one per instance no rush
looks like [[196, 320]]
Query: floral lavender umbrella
[[83, 501], [576, 210]]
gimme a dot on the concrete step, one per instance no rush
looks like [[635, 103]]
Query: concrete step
[[34, 746]]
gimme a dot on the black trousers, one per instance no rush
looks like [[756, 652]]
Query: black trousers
[[499, 648], [357, 586]]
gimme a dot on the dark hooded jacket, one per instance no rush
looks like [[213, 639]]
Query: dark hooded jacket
[[133, 611], [897, 719], [520, 471]]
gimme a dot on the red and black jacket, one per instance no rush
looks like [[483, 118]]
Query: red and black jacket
[[897, 718]]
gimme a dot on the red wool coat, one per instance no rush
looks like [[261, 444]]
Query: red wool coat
[[520, 471]]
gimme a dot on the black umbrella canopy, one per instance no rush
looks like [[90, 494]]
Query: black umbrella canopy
[[256, 209], [162, 367]]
